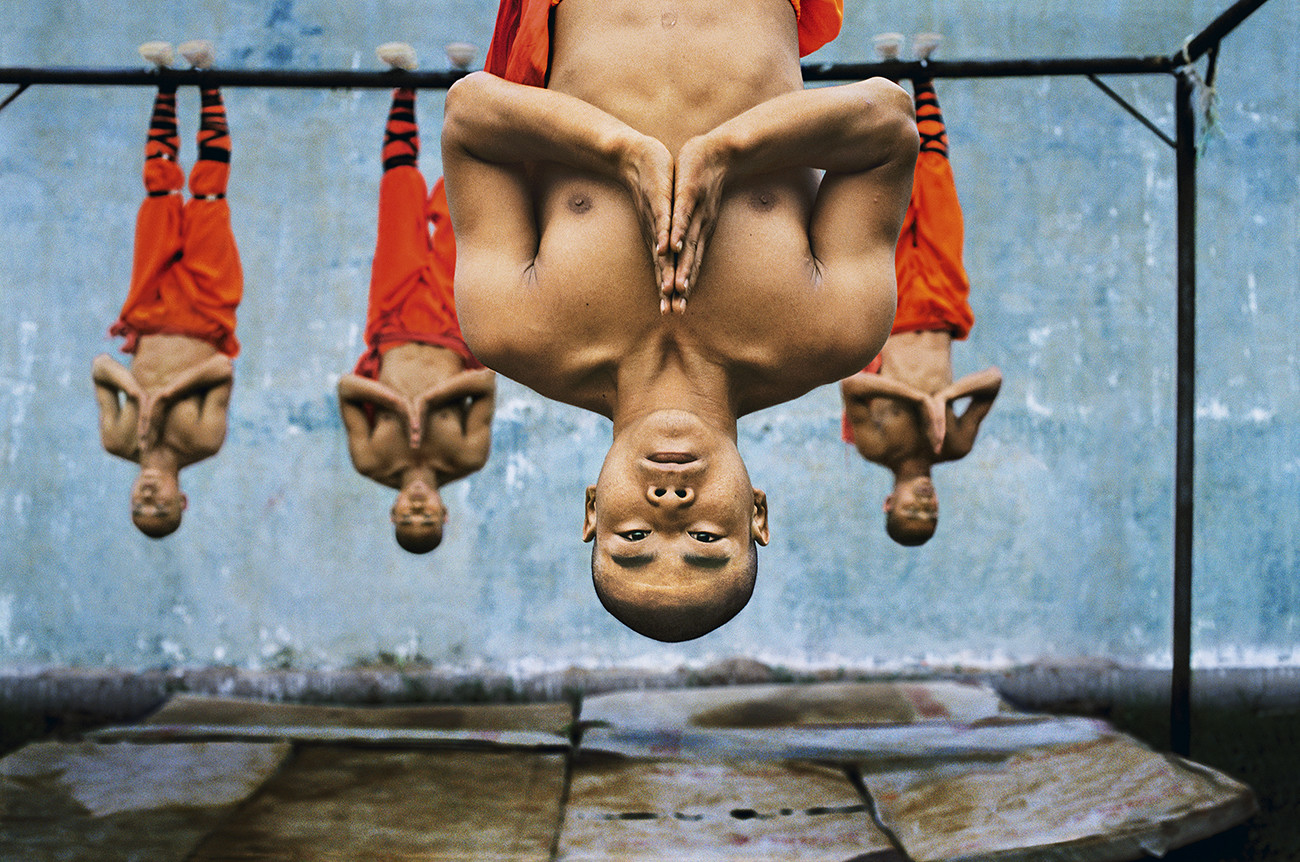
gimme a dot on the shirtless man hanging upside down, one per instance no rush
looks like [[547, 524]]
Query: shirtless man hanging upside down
[[168, 410], [647, 238]]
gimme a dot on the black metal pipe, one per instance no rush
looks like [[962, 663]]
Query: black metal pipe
[[1022, 68], [1180, 694], [1214, 33], [1138, 115], [277, 78], [354, 79]]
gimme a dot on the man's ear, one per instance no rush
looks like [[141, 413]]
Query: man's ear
[[185, 502], [589, 515], [758, 523], [889, 504]]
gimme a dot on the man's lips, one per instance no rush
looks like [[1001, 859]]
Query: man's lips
[[671, 458]]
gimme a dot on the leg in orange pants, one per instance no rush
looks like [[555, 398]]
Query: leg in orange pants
[[186, 277], [933, 288], [412, 298]]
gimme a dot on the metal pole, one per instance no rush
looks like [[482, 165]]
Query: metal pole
[[356, 79], [1180, 699], [1212, 35]]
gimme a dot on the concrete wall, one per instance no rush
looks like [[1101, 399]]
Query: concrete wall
[[1056, 539]]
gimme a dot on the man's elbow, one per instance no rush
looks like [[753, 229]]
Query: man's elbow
[[892, 119], [464, 101]]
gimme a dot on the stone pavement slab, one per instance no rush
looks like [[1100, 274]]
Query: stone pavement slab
[[627, 810], [890, 723], [1111, 799], [203, 717], [103, 803], [829, 704], [333, 803]]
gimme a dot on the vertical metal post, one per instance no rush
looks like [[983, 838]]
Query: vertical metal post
[[1180, 700]]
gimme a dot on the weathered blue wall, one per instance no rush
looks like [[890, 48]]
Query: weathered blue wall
[[1056, 537]]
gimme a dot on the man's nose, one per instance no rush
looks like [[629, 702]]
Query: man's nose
[[669, 494]]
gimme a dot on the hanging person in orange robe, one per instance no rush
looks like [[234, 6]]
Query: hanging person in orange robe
[[898, 412], [418, 406], [169, 409]]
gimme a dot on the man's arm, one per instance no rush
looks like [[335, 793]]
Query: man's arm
[[492, 131], [210, 381], [862, 135], [478, 385], [119, 396], [982, 388], [467, 451], [355, 392], [864, 386]]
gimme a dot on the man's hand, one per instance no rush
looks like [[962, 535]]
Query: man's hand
[[934, 413], [648, 174], [701, 171]]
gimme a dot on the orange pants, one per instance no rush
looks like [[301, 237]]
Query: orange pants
[[411, 293], [933, 289], [521, 43], [185, 277]]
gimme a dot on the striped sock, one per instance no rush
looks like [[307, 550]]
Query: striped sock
[[401, 134], [214, 134], [164, 141], [929, 119]]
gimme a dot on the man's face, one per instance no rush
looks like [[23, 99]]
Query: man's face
[[673, 515], [914, 507], [418, 516], [157, 502]]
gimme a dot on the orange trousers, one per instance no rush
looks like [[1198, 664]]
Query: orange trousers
[[185, 277], [521, 42], [933, 288], [411, 294]]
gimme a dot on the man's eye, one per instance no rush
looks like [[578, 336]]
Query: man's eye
[[701, 536], [635, 535]]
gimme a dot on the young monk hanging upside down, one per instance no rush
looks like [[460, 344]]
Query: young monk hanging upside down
[[169, 409], [899, 410], [646, 238], [418, 407]]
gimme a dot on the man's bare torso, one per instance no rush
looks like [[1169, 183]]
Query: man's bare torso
[[922, 360], [160, 358], [672, 72], [410, 369]]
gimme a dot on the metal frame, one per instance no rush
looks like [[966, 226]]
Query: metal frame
[[1180, 64]]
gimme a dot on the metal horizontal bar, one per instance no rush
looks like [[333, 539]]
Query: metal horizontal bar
[[1023, 68], [354, 79], [276, 78]]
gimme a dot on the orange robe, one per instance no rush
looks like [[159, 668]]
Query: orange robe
[[185, 277], [521, 43], [411, 293]]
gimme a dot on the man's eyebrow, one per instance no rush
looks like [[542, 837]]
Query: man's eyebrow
[[632, 561], [707, 561]]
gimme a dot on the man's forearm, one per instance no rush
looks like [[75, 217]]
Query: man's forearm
[[846, 129], [866, 385], [494, 120], [212, 372], [982, 385]]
